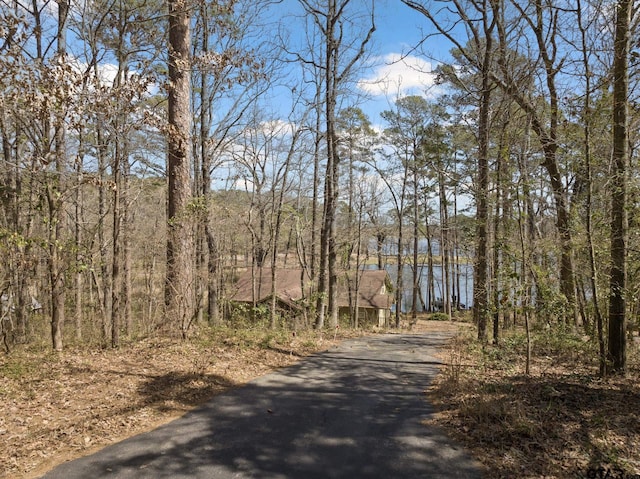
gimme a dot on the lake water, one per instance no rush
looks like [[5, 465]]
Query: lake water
[[465, 280]]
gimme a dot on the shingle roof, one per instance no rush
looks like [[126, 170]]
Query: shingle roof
[[373, 292], [288, 281]]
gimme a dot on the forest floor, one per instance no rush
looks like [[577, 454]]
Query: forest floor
[[560, 421], [59, 406]]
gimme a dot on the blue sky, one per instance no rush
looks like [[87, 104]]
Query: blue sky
[[399, 69], [394, 68]]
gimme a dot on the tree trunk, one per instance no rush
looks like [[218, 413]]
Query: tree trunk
[[77, 239], [617, 351], [593, 270], [322, 270], [416, 232], [180, 247], [116, 280], [56, 269], [126, 226], [400, 245], [331, 183], [480, 290], [380, 237], [209, 241], [316, 188], [430, 276], [497, 220], [444, 242], [56, 227], [213, 311]]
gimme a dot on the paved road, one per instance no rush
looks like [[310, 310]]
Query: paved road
[[354, 411]]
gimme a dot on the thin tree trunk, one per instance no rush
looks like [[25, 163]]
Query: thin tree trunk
[[56, 228], [103, 284], [399, 275], [314, 204], [56, 273], [380, 237], [358, 272], [117, 167], [430, 265], [210, 240], [126, 226], [593, 276], [444, 243], [496, 255], [456, 247], [213, 310], [499, 289], [415, 293], [116, 252], [77, 241], [526, 267], [400, 253]]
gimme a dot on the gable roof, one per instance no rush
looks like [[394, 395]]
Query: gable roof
[[373, 287], [256, 285]]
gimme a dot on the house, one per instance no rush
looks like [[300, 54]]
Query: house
[[254, 287], [374, 298], [373, 301]]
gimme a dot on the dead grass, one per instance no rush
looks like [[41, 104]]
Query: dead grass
[[58, 406], [562, 421]]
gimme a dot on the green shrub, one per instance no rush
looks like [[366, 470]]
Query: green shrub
[[562, 341]]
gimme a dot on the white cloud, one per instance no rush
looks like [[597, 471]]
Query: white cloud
[[107, 73], [277, 128], [398, 75]]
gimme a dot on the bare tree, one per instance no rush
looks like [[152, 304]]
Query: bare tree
[[479, 18], [341, 53], [234, 66], [54, 199], [587, 121], [543, 22], [406, 133]]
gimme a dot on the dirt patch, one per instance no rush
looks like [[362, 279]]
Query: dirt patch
[[561, 421]]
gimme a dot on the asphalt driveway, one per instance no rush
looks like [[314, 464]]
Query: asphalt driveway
[[355, 411]]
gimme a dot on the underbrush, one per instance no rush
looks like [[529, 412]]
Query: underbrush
[[561, 421], [296, 342], [557, 345]]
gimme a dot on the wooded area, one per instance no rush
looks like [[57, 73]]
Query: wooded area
[[153, 151]]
